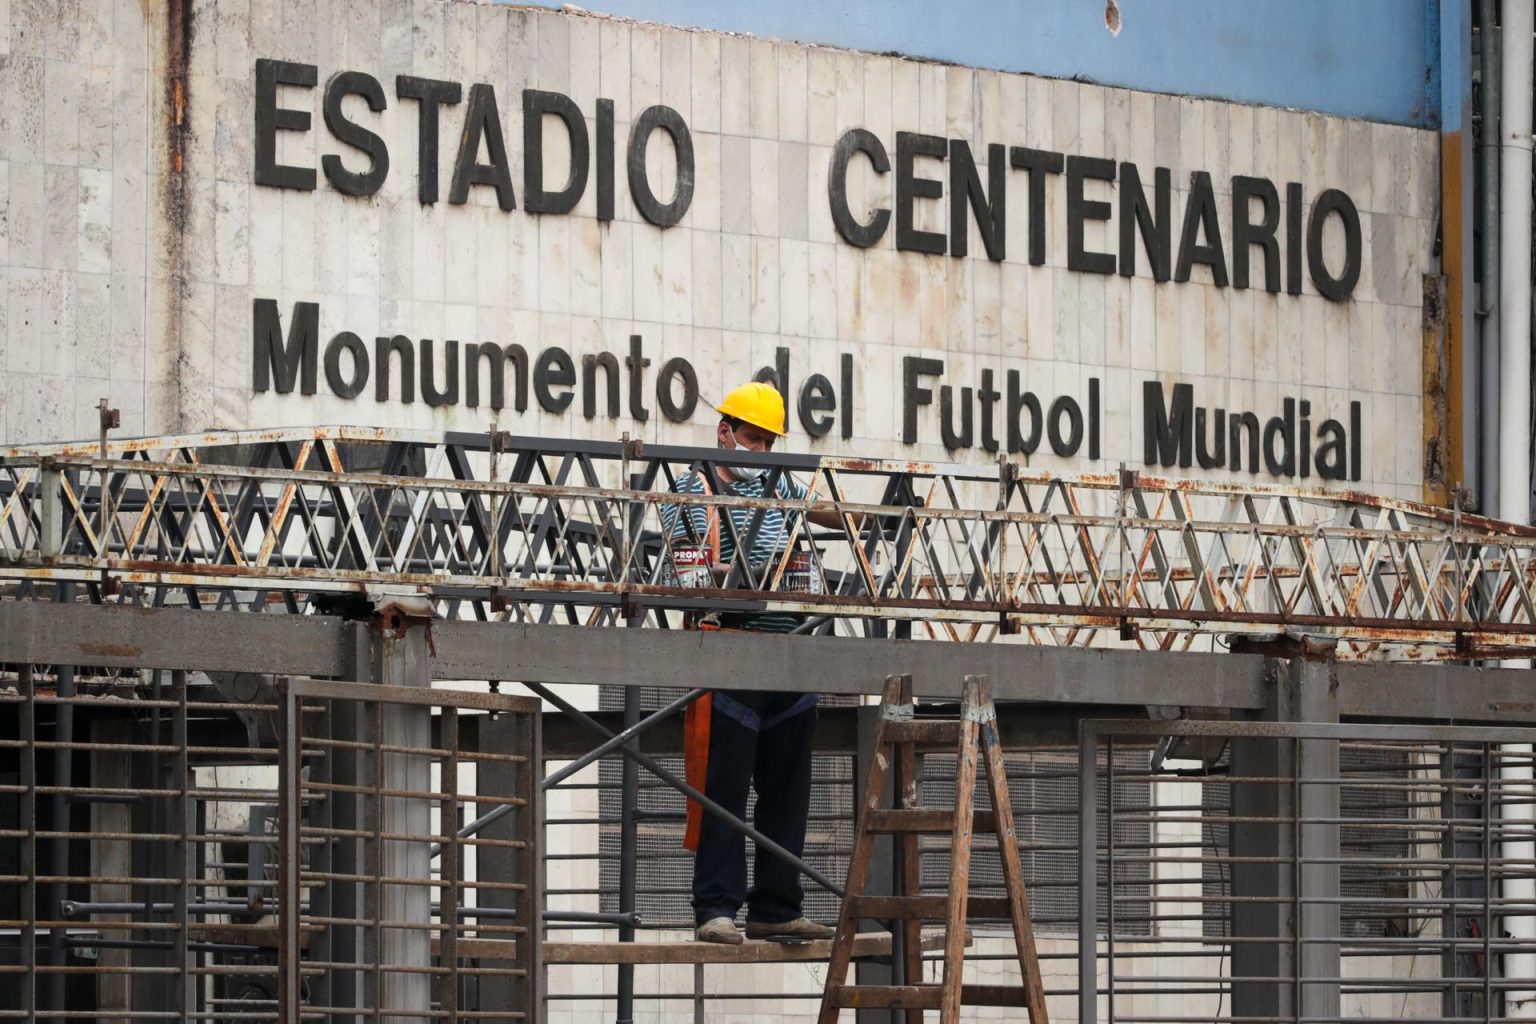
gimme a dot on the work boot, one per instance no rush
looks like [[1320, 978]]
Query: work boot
[[801, 929], [719, 929]]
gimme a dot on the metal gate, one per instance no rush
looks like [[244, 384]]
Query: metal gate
[[1305, 872], [292, 856]]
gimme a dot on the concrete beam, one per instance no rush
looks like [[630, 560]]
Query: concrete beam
[[126, 637]]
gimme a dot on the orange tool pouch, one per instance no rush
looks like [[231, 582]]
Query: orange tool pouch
[[696, 762]]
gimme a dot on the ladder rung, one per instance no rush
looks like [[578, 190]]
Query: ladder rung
[[927, 819], [924, 908], [924, 997], [994, 995], [893, 997], [923, 730]]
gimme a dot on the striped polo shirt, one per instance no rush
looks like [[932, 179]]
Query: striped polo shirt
[[773, 535]]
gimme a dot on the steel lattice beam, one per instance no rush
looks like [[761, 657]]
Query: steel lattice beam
[[546, 531]]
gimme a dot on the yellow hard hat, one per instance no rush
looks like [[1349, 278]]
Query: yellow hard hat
[[756, 403]]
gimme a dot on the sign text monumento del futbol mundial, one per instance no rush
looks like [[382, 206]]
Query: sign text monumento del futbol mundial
[[997, 412]]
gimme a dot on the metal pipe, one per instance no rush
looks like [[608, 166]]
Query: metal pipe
[[1488, 153], [710, 806], [63, 779], [630, 920], [623, 737], [1087, 877], [1515, 264], [629, 842], [1515, 424]]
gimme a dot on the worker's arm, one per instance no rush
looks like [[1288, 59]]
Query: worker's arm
[[832, 519]]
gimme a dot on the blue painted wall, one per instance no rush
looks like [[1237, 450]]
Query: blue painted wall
[[1362, 58]]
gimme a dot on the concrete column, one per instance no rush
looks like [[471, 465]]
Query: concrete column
[[1303, 689], [401, 658]]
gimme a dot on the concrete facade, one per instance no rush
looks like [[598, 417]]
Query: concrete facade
[[126, 277]]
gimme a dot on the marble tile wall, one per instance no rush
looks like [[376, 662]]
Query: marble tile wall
[[126, 278]]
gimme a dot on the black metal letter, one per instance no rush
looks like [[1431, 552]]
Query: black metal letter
[[681, 368], [955, 439], [1065, 405], [589, 367], [1018, 401], [605, 159], [912, 395], [991, 207], [1200, 214], [1336, 288], [816, 398], [271, 119], [473, 355], [382, 347], [1038, 163], [856, 140], [1080, 210], [482, 120], [1293, 238], [272, 360], [1245, 233], [1156, 231], [355, 183], [1167, 439], [537, 103], [554, 369], [430, 93], [910, 188], [663, 215], [340, 385], [450, 394]]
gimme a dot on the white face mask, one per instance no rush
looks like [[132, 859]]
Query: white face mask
[[744, 474]]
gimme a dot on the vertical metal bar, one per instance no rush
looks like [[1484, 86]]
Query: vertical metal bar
[[533, 835], [629, 797], [376, 857], [186, 987], [1489, 806], [907, 936], [1109, 876], [448, 899], [28, 726], [698, 994], [63, 779], [1448, 957], [289, 798], [1087, 874], [1296, 880]]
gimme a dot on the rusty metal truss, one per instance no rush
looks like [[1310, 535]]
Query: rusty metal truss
[[559, 531]]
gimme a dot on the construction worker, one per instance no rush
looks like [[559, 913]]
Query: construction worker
[[738, 738]]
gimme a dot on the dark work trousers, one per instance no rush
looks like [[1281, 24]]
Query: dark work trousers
[[777, 761]]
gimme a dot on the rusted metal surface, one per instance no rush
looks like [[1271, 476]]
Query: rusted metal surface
[[580, 532]]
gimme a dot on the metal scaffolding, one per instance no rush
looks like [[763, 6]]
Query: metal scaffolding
[[299, 597], [528, 529]]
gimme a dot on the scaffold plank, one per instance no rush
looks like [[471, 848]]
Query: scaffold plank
[[751, 951]]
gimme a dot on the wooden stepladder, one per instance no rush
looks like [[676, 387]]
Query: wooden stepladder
[[897, 737]]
